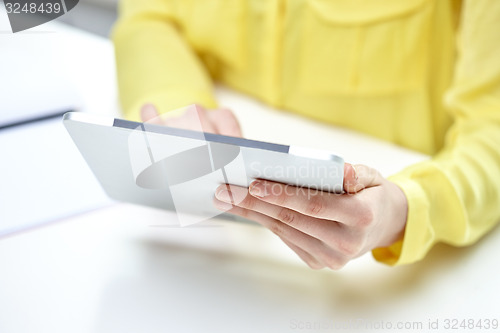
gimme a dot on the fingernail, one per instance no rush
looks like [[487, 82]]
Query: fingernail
[[148, 107], [258, 189], [355, 172], [223, 206], [224, 195]]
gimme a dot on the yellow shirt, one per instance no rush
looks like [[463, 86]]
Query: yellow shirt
[[424, 74]]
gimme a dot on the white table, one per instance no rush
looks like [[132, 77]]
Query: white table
[[116, 270]]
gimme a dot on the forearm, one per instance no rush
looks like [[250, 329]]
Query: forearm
[[455, 197]]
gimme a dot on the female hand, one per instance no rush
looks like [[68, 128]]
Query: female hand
[[324, 229], [220, 121]]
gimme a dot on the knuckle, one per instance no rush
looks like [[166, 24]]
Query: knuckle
[[248, 203], [286, 216], [315, 206], [340, 264], [280, 195], [334, 264], [314, 265], [365, 218], [370, 174], [330, 261], [276, 229], [350, 249], [359, 187], [244, 213], [374, 175]]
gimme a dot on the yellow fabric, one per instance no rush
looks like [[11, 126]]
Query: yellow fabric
[[424, 74]]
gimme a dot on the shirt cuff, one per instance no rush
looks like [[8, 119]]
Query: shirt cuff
[[419, 235]]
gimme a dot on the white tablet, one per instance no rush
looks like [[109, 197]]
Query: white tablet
[[177, 169]]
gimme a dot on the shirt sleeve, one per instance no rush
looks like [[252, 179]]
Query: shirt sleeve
[[154, 62], [455, 197]]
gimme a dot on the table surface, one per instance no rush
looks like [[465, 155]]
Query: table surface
[[118, 269]]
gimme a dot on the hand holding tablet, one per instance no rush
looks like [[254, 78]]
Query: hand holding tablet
[[326, 211], [324, 229]]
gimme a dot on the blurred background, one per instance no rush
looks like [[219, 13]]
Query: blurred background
[[102, 266], [96, 16]]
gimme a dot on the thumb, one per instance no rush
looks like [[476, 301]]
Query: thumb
[[358, 177]]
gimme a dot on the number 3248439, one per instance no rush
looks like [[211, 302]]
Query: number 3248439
[[33, 8]]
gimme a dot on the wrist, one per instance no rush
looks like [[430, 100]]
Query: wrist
[[396, 224]]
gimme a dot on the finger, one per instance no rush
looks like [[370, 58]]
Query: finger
[[306, 242], [150, 114], [194, 118], [310, 202], [350, 177], [327, 231], [359, 177], [321, 253], [225, 122], [275, 226], [306, 257], [345, 241], [197, 117]]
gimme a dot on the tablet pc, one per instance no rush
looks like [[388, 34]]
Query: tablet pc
[[177, 169]]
